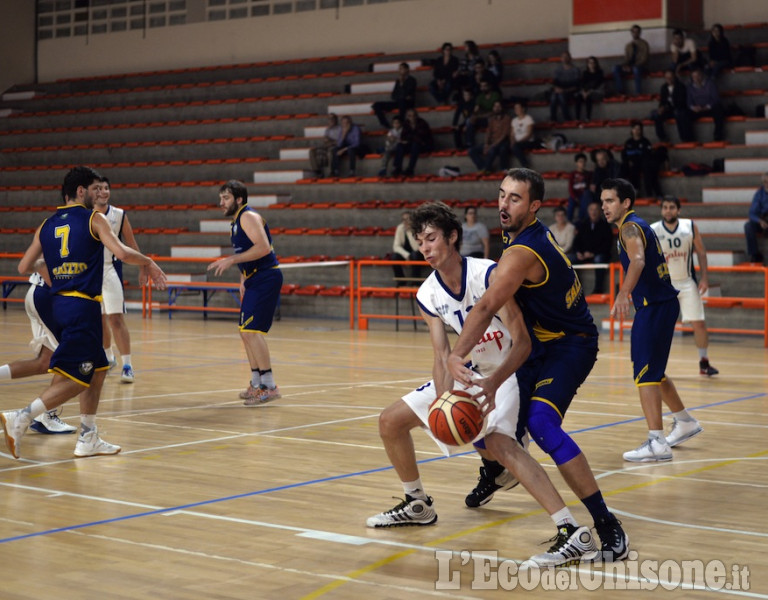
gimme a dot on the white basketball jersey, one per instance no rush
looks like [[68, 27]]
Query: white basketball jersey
[[677, 246], [437, 300], [115, 217]]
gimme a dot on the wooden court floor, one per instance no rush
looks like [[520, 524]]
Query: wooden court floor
[[211, 500]]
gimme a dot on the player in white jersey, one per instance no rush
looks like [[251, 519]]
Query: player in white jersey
[[679, 239], [445, 298], [113, 297]]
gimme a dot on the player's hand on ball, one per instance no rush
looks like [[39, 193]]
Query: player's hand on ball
[[459, 371]]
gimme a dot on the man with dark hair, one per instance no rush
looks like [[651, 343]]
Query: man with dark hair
[[534, 271], [403, 96], [704, 101], [593, 243], [260, 283], [673, 104], [72, 243], [646, 279], [496, 143], [443, 69], [636, 55]]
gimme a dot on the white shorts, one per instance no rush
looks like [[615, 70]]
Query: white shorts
[[504, 418], [691, 306], [41, 335], [113, 298]]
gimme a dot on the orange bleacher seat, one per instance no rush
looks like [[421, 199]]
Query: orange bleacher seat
[[288, 288], [295, 231], [336, 290], [309, 290], [319, 231]]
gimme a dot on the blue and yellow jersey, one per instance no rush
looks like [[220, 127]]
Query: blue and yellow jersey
[[73, 252], [654, 284], [555, 307], [241, 242]]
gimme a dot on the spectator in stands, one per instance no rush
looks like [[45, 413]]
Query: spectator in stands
[[349, 144], [565, 84], [718, 51], [593, 243], [405, 246], [704, 101], [415, 139], [758, 221], [496, 143], [606, 167], [592, 87], [685, 57], [484, 102], [391, 143], [639, 162], [443, 69], [482, 74], [322, 155], [563, 231], [579, 193], [403, 96], [673, 104], [636, 54], [522, 133], [466, 71], [464, 111], [495, 66], [475, 240]]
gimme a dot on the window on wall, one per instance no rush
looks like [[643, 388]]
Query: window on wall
[[220, 10], [67, 18]]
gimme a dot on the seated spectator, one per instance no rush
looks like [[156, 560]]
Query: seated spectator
[[636, 54], [322, 155], [593, 243], [592, 87], [496, 143], [495, 66], [484, 102], [606, 167], [685, 57], [405, 247], [758, 221], [403, 96], [566, 83], [704, 101], [579, 193], [465, 74], [718, 51], [475, 239], [443, 69], [563, 231], [349, 144], [464, 111], [523, 138], [390, 144], [639, 162], [482, 74], [415, 139], [673, 104]]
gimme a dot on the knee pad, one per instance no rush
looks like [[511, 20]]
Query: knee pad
[[545, 427]]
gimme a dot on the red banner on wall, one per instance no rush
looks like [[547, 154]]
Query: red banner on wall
[[588, 12]]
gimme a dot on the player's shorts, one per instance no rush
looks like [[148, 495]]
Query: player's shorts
[[262, 293], [691, 306], [557, 371], [80, 352], [505, 418], [652, 332], [112, 295], [39, 309]]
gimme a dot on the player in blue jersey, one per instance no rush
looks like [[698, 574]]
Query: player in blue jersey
[[260, 283], [647, 280], [537, 273], [72, 244]]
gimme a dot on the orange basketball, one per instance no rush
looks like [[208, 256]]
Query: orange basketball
[[455, 418]]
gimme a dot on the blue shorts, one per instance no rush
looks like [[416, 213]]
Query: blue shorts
[[557, 371], [80, 352], [262, 293], [43, 299], [652, 331]]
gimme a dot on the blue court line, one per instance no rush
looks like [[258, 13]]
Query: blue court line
[[301, 484]]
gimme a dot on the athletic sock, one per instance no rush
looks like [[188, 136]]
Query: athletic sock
[[563, 517], [255, 378], [126, 360], [110, 354], [702, 353], [414, 489], [5, 372], [683, 416], [87, 422], [596, 505], [35, 408], [657, 434], [267, 379]]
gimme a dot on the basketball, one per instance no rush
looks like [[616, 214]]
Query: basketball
[[455, 418]]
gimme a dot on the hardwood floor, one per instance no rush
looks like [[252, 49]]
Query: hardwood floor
[[210, 499]]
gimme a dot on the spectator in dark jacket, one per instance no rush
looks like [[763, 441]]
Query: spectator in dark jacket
[[591, 88], [704, 101], [606, 167], [403, 96], [673, 104], [464, 111], [565, 84], [639, 162], [593, 243], [718, 51], [415, 139], [443, 69]]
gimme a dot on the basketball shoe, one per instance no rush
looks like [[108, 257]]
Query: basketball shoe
[[262, 395], [410, 511], [127, 375], [651, 450], [614, 542], [487, 486], [251, 391], [49, 422], [706, 369], [572, 545], [682, 431], [15, 423], [90, 444]]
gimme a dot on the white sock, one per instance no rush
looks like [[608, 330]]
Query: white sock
[[268, 379], [702, 353], [87, 422], [414, 489], [110, 354], [563, 517], [36, 408], [657, 434], [255, 378], [683, 416], [126, 360], [5, 372]]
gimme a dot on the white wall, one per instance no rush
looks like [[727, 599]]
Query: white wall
[[17, 42]]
